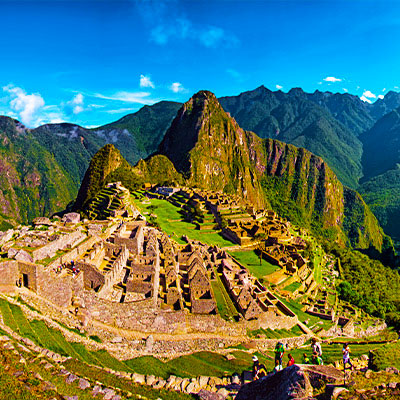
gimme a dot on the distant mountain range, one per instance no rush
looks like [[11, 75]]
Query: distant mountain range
[[356, 139]]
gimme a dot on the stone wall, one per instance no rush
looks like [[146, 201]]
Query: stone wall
[[74, 253], [66, 241], [114, 275], [57, 288], [271, 320], [92, 277], [8, 275], [31, 270]]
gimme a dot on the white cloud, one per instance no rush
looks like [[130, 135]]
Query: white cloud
[[166, 24], [381, 96], [145, 81], [279, 87], [332, 79], [127, 97], [363, 98], [369, 94], [177, 87], [384, 90], [27, 106], [345, 90], [120, 110], [75, 106]]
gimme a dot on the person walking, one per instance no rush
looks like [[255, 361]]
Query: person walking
[[316, 346], [346, 356]]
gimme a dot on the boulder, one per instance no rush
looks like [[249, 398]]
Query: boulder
[[203, 381], [292, 382], [185, 382], [108, 394], [70, 378], [73, 218], [230, 357], [83, 384], [207, 395], [150, 379], [116, 339], [41, 221], [160, 384], [138, 378], [193, 387], [223, 392], [12, 252], [337, 391], [149, 343], [236, 379]]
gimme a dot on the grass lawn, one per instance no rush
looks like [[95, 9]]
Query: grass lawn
[[170, 221], [293, 286], [276, 333], [296, 307], [251, 260], [226, 308], [318, 265]]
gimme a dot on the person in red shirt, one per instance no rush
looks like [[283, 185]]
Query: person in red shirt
[[291, 360]]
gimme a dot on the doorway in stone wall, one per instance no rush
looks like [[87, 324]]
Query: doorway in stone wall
[[25, 280]]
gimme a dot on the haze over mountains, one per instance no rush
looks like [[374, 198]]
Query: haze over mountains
[[357, 140]]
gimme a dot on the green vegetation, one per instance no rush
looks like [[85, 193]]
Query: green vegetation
[[367, 283], [252, 261], [226, 308], [170, 220], [386, 356], [293, 286], [276, 333]]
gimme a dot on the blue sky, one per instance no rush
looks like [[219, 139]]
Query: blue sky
[[92, 62]]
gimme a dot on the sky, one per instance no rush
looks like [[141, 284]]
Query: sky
[[92, 62]]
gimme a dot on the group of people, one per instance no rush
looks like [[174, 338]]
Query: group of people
[[75, 270], [259, 370]]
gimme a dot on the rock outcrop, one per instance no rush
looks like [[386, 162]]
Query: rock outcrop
[[295, 382]]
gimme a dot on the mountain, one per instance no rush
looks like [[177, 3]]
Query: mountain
[[108, 165], [382, 194], [210, 149], [147, 128], [32, 182], [381, 145], [135, 135], [385, 105], [381, 159], [306, 120]]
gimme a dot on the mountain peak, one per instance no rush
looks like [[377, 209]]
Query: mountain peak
[[297, 92]]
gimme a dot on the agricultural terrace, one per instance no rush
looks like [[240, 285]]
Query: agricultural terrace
[[196, 364]]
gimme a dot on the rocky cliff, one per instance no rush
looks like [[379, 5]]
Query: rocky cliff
[[209, 148]]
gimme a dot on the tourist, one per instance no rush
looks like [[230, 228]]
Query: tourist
[[279, 352], [317, 359], [291, 360], [306, 359], [346, 356], [278, 367], [316, 346], [259, 370]]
